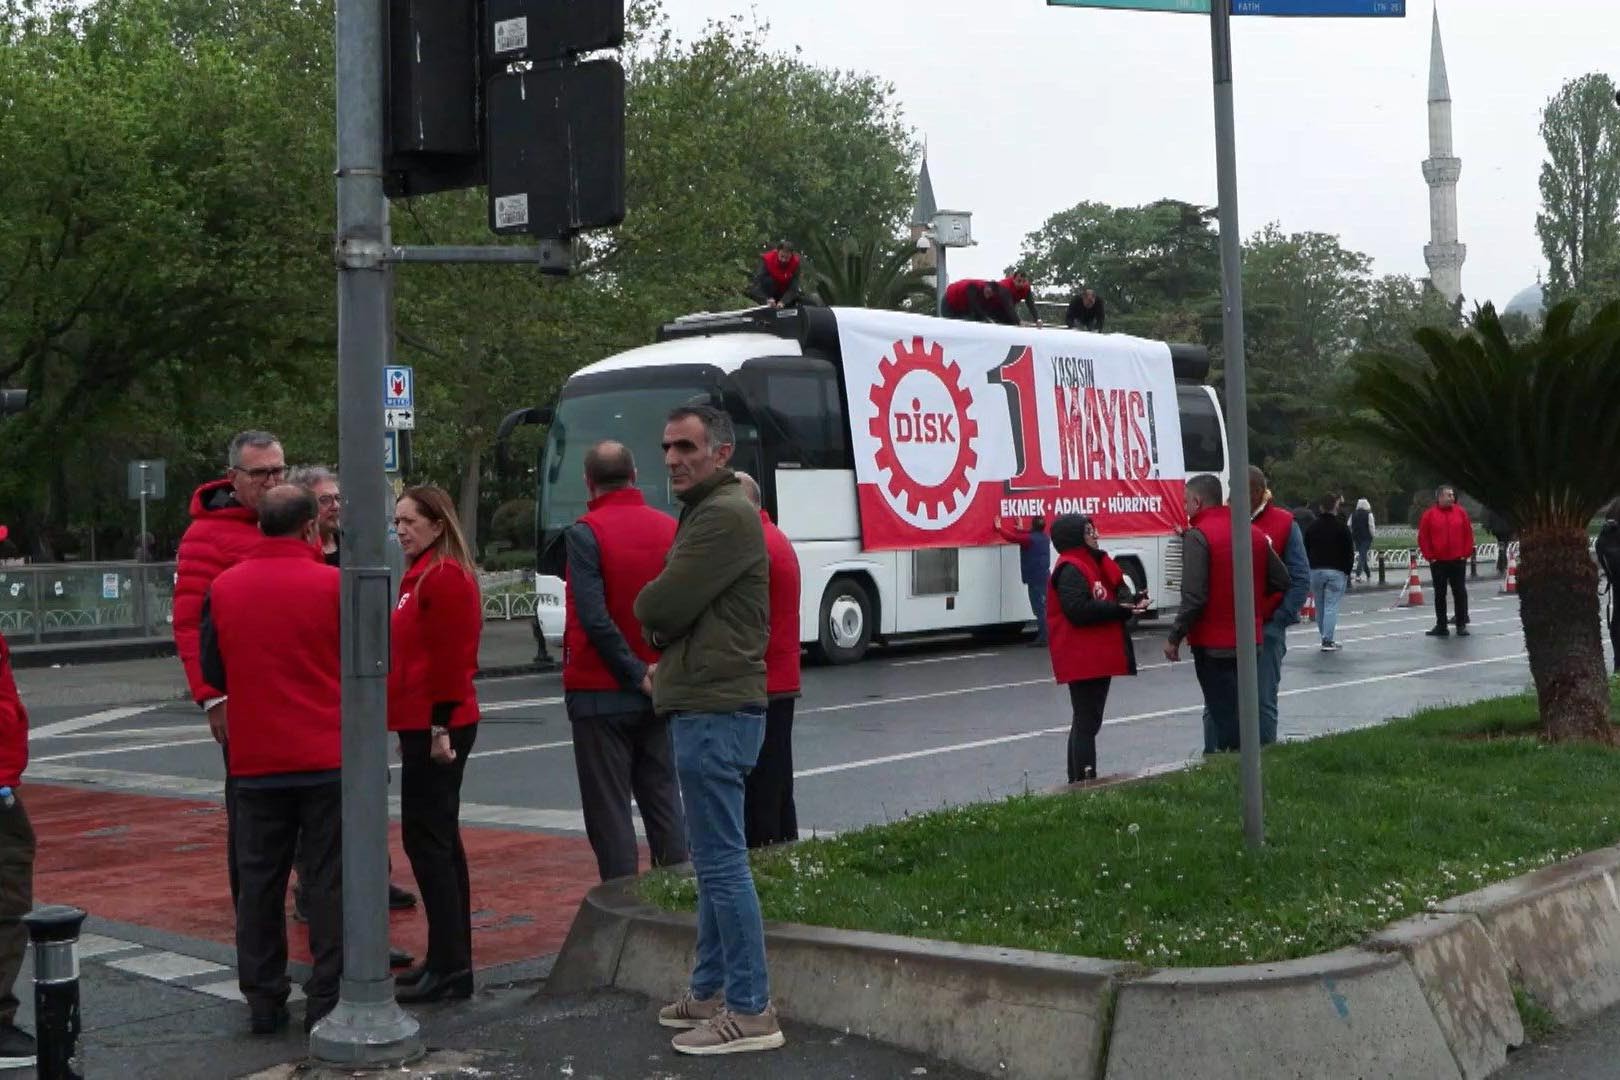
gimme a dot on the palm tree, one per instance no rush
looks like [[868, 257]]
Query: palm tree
[[873, 272], [1530, 429]]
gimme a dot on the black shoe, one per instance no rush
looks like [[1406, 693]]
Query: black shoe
[[400, 899], [1462, 631], [457, 986], [398, 958], [1438, 631], [410, 976], [267, 1020], [17, 1047]]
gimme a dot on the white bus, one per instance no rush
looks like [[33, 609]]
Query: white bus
[[778, 374]]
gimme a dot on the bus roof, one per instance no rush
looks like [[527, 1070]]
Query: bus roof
[[724, 351]]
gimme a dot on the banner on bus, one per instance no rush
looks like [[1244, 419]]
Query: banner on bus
[[955, 424]]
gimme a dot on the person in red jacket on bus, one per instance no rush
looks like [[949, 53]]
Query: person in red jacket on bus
[[1446, 540], [769, 814], [1087, 606], [776, 282], [980, 300], [433, 708], [621, 746], [224, 530], [16, 862]]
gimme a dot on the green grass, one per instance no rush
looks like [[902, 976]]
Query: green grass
[[1363, 828]]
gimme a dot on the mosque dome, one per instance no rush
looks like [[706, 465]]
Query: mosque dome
[[1530, 301]]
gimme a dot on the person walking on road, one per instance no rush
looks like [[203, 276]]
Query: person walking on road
[[270, 637], [1207, 618], [1446, 540], [1088, 606], [769, 813], [1330, 547], [224, 529], [432, 706], [1034, 567], [709, 611], [621, 746], [1280, 610], [1608, 556], [17, 1048], [1363, 527]]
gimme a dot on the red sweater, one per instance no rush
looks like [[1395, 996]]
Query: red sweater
[[222, 533], [1445, 534], [436, 627], [782, 647], [13, 724], [274, 622]]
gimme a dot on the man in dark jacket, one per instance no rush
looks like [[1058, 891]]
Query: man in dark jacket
[[16, 863], [621, 746], [270, 635], [1332, 552], [1608, 555], [776, 281], [224, 529], [1085, 312], [709, 611], [1034, 567]]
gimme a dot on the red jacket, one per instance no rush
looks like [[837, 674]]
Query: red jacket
[[1445, 534], [1277, 524], [633, 540], [781, 272], [1096, 650], [1216, 627], [782, 647], [436, 627], [273, 632], [1018, 291], [13, 724], [222, 533]]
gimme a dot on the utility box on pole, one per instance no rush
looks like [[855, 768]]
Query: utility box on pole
[[434, 98]]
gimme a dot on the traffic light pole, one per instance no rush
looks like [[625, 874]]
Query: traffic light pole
[[367, 1027], [1237, 421]]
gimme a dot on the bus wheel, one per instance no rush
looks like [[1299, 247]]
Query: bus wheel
[[846, 621]]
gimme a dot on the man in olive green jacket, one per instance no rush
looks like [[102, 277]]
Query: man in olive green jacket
[[709, 612]]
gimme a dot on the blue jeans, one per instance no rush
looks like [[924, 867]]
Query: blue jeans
[[1273, 647], [1363, 549], [1328, 587], [713, 755], [1037, 604]]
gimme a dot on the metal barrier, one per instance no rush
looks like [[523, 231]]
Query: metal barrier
[[1400, 559], [63, 603], [510, 605]]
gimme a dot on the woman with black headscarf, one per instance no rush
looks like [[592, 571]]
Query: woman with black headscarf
[[1087, 606]]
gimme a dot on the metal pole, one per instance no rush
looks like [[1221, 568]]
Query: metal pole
[[1237, 420], [941, 279], [54, 932], [368, 1027], [140, 541]]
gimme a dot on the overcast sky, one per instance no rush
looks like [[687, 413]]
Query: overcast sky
[[1029, 109]]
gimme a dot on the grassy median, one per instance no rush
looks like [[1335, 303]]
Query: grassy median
[[1362, 828]]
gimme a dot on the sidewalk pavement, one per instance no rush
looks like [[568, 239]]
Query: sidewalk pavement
[[1586, 1051]]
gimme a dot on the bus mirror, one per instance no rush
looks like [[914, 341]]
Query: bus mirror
[[544, 414], [538, 414]]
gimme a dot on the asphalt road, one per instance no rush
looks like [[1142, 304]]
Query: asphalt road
[[909, 729]]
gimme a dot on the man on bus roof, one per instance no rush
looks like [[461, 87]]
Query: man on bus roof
[[980, 300], [776, 282]]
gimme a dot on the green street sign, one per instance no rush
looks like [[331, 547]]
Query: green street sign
[[1195, 7]]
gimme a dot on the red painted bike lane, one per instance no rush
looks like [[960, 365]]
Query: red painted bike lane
[[159, 862]]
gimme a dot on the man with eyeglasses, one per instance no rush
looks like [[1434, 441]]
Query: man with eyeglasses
[[224, 529]]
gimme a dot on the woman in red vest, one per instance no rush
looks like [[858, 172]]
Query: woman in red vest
[[1087, 605], [431, 704]]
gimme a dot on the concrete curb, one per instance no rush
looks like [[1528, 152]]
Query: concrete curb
[[1431, 996]]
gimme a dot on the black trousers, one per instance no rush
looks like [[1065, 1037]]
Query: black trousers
[[769, 815], [430, 821], [1452, 573], [271, 822], [230, 827], [1088, 698], [1217, 677], [1614, 629], [16, 898], [617, 755]]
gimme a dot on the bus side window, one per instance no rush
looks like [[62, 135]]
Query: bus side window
[[803, 400], [1200, 431]]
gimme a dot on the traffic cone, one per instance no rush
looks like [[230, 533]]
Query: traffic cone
[[1414, 588], [1511, 585], [1309, 610]]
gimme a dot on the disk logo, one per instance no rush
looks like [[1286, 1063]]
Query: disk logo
[[925, 435]]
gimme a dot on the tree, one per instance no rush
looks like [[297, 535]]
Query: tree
[[874, 272], [1525, 429], [1580, 181]]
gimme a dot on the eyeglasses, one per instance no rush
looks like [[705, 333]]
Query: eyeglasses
[[268, 472], [327, 500]]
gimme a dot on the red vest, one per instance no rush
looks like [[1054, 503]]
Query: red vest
[[633, 540], [956, 294], [1216, 628], [1096, 651], [13, 724], [276, 619], [1277, 524], [434, 635], [782, 648], [781, 271]]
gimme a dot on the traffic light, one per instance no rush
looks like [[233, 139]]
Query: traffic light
[[431, 137]]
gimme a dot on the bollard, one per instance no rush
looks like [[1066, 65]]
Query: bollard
[[54, 931], [1473, 564], [1381, 580]]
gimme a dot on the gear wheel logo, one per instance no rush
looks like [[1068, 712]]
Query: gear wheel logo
[[925, 437]]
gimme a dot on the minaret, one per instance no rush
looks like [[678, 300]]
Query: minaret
[[922, 218], [1443, 253]]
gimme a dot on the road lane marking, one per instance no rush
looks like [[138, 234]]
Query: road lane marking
[[1157, 714], [95, 719], [942, 659], [122, 749], [136, 733], [524, 703]]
